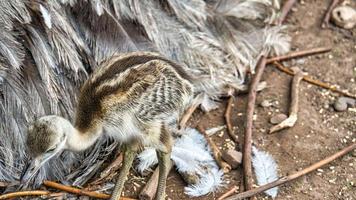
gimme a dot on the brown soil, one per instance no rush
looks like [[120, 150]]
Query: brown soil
[[320, 130]]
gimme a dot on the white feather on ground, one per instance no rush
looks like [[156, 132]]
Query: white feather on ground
[[265, 169], [190, 154]]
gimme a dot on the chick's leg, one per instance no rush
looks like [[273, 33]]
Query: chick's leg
[[130, 152], [164, 163]]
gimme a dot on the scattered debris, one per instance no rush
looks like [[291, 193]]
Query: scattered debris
[[344, 17], [297, 54], [342, 103], [78, 191], [230, 192], [227, 116], [24, 193], [287, 6], [276, 119], [233, 157], [214, 130], [293, 176], [266, 103], [216, 152], [294, 106], [326, 19], [314, 81]]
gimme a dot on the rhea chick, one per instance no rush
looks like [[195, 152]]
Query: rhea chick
[[133, 98]]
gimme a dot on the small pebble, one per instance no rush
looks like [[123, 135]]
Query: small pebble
[[276, 119], [233, 157], [326, 105], [301, 61], [266, 103], [342, 103], [344, 17], [354, 153]]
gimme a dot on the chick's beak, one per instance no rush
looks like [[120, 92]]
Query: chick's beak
[[30, 170], [33, 166]]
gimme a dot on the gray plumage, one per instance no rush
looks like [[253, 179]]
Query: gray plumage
[[49, 48]]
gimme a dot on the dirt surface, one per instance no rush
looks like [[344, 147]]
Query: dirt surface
[[320, 130]]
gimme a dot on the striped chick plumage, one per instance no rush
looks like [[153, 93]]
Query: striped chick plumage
[[134, 98], [131, 94]]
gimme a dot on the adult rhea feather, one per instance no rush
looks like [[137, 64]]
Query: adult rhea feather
[[49, 48]]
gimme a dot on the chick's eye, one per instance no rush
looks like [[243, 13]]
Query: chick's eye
[[51, 150]]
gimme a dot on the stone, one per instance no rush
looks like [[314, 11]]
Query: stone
[[344, 17], [232, 157], [266, 103], [278, 118], [342, 103]]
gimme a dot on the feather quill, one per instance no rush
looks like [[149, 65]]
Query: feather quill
[[46, 16], [265, 169]]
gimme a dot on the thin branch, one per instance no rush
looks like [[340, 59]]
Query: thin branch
[[326, 20], [247, 166], [294, 176], [227, 116], [75, 190], [189, 112], [56, 195], [229, 192], [297, 54], [314, 81], [216, 152], [293, 110], [79, 191], [24, 193], [287, 6]]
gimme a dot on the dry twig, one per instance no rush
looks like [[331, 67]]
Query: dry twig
[[189, 112], [227, 116], [247, 166], [229, 192], [294, 176], [326, 20], [298, 54], [314, 81], [79, 191], [75, 190], [150, 189], [285, 10], [293, 110], [216, 152], [24, 193]]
